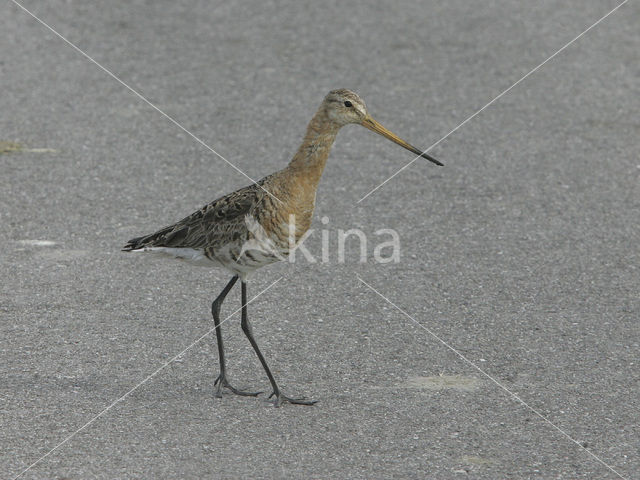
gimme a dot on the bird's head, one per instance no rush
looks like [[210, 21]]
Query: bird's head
[[343, 106]]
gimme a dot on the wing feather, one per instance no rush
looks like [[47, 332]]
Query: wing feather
[[211, 225]]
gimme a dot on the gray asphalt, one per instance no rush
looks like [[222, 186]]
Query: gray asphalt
[[521, 253]]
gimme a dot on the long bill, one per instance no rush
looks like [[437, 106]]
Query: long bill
[[374, 126]]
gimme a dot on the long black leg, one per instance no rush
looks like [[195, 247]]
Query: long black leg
[[246, 328], [222, 381]]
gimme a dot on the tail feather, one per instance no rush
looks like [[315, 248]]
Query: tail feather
[[133, 244], [156, 239]]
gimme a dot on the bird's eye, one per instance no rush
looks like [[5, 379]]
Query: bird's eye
[[347, 103]]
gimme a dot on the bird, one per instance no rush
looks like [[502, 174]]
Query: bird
[[262, 223]]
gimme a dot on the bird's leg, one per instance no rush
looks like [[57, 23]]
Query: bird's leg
[[246, 328], [222, 381]]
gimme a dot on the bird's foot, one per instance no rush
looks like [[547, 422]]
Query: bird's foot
[[222, 382], [280, 399]]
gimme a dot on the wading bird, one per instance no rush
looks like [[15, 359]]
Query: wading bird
[[218, 233]]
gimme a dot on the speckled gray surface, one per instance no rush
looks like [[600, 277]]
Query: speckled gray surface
[[521, 253]]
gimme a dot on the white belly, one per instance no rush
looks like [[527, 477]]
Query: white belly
[[190, 255], [231, 257]]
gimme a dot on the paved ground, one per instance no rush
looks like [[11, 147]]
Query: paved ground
[[521, 253]]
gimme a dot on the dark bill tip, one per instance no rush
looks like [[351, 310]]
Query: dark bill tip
[[431, 159]]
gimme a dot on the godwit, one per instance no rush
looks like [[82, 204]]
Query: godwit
[[224, 232]]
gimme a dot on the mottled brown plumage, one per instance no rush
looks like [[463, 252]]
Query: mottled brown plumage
[[252, 226]]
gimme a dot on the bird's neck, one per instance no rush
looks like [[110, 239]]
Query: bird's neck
[[301, 177], [309, 161]]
